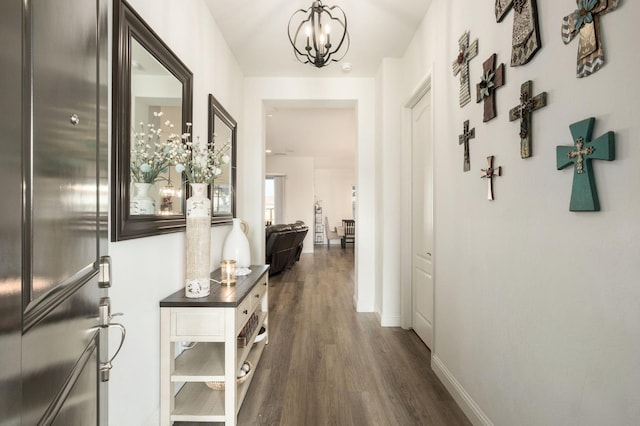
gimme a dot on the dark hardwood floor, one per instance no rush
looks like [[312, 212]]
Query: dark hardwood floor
[[328, 365]]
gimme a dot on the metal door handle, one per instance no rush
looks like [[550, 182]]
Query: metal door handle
[[105, 367], [106, 324]]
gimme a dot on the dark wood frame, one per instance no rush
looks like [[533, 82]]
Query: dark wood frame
[[127, 24], [217, 110]]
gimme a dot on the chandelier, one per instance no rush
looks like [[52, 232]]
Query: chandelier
[[312, 31]]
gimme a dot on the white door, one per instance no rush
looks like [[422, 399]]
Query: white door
[[422, 220]]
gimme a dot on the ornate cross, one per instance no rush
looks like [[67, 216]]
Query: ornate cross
[[466, 52], [586, 21], [526, 35], [492, 78], [489, 173], [463, 139], [584, 195], [523, 112]]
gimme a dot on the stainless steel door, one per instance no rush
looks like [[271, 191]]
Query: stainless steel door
[[64, 210], [10, 211]]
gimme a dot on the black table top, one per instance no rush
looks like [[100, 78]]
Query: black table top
[[221, 296]]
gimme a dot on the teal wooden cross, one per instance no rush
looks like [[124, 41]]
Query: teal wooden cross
[[584, 195]]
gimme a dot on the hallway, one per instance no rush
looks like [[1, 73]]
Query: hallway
[[328, 365]]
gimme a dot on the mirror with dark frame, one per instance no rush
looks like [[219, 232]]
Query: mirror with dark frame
[[152, 99], [223, 135]]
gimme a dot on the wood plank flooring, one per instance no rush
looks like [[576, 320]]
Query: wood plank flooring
[[328, 365]]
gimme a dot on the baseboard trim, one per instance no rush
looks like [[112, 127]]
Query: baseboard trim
[[459, 394], [390, 321]]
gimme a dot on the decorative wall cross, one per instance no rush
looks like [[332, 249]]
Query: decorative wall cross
[[526, 35], [488, 174], [463, 139], [466, 52], [586, 21], [584, 195], [492, 78], [523, 112]]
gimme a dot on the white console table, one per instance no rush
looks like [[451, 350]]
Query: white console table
[[210, 326]]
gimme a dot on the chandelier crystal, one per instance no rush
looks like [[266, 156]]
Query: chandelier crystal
[[313, 34]]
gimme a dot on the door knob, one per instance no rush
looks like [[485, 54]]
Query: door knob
[[106, 325], [105, 367]]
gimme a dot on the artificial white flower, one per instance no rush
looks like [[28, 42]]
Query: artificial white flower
[[199, 162]]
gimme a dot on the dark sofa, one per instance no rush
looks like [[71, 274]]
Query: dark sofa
[[284, 245]]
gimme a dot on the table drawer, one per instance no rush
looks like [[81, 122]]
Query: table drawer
[[195, 324], [243, 312], [257, 294]]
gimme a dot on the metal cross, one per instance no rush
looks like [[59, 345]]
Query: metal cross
[[466, 52], [525, 40], [585, 20], [523, 112], [489, 173], [463, 139], [584, 195], [580, 152], [492, 78]]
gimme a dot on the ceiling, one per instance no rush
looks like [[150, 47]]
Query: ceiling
[[326, 132], [256, 32]]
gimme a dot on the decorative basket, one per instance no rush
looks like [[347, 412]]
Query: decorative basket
[[239, 381], [261, 335]]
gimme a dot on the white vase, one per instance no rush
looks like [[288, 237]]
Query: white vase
[[198, 242], [236, 247], [141, 202]]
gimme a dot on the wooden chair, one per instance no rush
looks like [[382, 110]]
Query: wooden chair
[[349, 226]]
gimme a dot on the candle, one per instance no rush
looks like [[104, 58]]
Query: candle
[[228, 272]]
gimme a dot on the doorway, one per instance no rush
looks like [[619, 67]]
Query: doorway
[[274, 199], [313, 143], [422, 281]]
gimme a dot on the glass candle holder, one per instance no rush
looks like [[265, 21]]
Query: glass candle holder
[[228, 272]]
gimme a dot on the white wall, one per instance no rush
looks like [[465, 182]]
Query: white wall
[[333, 188], [148, 269], [390, 187], [361, 93], [537, 312], [298, 191]]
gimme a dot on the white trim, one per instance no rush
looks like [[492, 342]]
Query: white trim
[[387, 320], [472, 410], [390, 321], [419, 91]]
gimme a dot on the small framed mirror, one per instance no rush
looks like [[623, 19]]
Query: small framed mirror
[[152, 100], [222, 134]]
